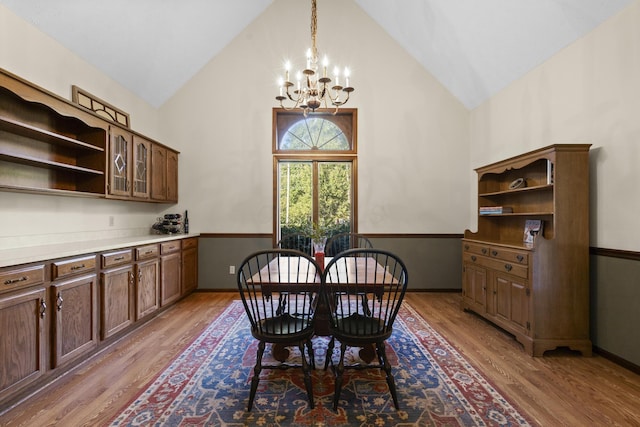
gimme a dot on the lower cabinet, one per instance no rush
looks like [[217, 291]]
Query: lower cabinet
[[75, 318], [22, 342], [56, 313], [189, 265], [117, 296], [170, 267], [147, 288]]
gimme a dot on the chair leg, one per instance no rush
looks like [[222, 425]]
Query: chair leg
[[307, 376], [312, 356], [329, 354], [256, 374], [339, 373], [382, 355]]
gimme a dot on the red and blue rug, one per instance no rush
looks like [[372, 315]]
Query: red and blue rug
[[208, 385]]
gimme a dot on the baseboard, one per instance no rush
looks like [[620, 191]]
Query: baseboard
[[617, 360]]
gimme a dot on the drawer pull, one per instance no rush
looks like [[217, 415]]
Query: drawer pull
[[484, 251], [520, 258], [77, 267], [13, 281], [43, 308], [508, 267], [494, 253], [473, 258], [59, 301], [120, 258], [466, 247], [148, 252]]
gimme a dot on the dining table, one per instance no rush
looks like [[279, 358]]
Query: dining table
[[290, 274]]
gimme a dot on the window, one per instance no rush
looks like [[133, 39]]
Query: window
[[314, 171]]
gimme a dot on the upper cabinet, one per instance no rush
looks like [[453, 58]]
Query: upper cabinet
[[164, 174], [129, 165], [50, 145]]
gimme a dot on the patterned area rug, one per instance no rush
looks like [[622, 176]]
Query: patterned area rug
[[208, 385]]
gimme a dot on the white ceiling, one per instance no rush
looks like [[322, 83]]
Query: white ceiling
[[473, 47]]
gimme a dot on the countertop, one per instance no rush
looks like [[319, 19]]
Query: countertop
[[24, 255]]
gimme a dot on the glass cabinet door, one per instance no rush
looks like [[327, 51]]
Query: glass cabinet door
[[120, 154], [141, 171]]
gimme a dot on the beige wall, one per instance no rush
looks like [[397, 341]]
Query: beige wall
[[589, 92], [413, 135], [36, 219]]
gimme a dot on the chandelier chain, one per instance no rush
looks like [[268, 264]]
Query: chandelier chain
[[314, 29]]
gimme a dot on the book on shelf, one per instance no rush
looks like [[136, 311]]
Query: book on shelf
[[532, 228], [549, 172], [493, 210]]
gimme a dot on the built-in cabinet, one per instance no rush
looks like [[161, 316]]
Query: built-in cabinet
[[539, 290], [189, 265], [24, 317], [50, 145], [170, 272], [164, 174], [147, 280], [58, 312]]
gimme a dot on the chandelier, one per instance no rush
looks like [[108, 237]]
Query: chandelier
[[312, 90]]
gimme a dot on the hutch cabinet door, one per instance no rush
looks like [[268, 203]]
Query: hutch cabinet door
[[512, 301], [75, 314], [22, 341], [475, 286], [158, 172]]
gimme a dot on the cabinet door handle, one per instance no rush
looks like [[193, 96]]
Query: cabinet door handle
[[43, 308], [59, 301], [473, 258], [131, 280], [12, 281], [508, 267], [520, 258], [494, 253]]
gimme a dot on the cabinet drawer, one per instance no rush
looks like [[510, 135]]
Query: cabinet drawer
[[73, 266], [475, 248], [508, 267], [498, 265], [190, 243], [517, 257], [116, 258], [25, 276], [168, 247], [144, 252]]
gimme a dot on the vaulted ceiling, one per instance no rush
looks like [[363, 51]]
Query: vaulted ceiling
[[475, 48]]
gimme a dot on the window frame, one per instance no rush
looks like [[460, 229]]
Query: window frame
[[346, 119]]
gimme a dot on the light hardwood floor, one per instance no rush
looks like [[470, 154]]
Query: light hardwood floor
[[559, 389]]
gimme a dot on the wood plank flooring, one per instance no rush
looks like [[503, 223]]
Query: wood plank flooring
[[559, 389]]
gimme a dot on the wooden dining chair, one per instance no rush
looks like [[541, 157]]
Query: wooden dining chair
[[266, 279], [382, 277], [343, 241], [297, 241]]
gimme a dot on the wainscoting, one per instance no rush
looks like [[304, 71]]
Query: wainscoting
[[434, 261]]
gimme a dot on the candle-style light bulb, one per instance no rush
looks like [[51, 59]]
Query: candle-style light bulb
[[308, 58], [325, 64], [280, 83], [347, 73], [287, 67], [299, 77], [336, 73]]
